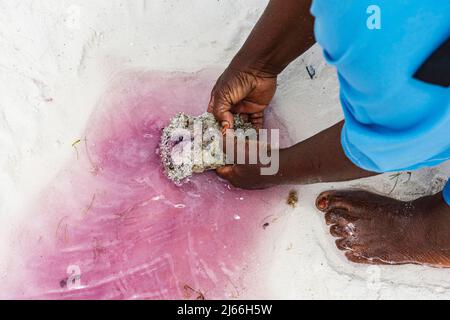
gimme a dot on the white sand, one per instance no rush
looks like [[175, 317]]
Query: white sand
[[56, 57]]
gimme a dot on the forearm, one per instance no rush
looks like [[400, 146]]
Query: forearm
[[319, 159], [283, 33]]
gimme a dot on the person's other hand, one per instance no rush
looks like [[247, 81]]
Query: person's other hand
[[242, 92]]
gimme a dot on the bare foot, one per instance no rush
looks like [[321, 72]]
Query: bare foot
[[375, 229]]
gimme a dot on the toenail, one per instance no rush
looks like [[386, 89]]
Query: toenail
[[322, 203]]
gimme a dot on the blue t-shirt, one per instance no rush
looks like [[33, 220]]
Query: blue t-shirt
[[393, 122]]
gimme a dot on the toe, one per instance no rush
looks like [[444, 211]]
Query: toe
[[340, 216], [322, 201], [350, 200], [338, 231], [330, 200], [345, 244], [362, 258], [331, 218], [355, 258]]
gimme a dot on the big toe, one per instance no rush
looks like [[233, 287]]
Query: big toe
[[346, 200], [330, 200]]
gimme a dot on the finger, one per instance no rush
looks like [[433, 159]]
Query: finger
[[248, 107], [210, 104], [257, 121], [225, 124], [245, 117], [224, 116], [211, 101], [257, 115]]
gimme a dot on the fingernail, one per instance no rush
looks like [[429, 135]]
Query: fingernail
[[225, 127]]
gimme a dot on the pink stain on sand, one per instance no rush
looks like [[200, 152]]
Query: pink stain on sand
[[111, 226]]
